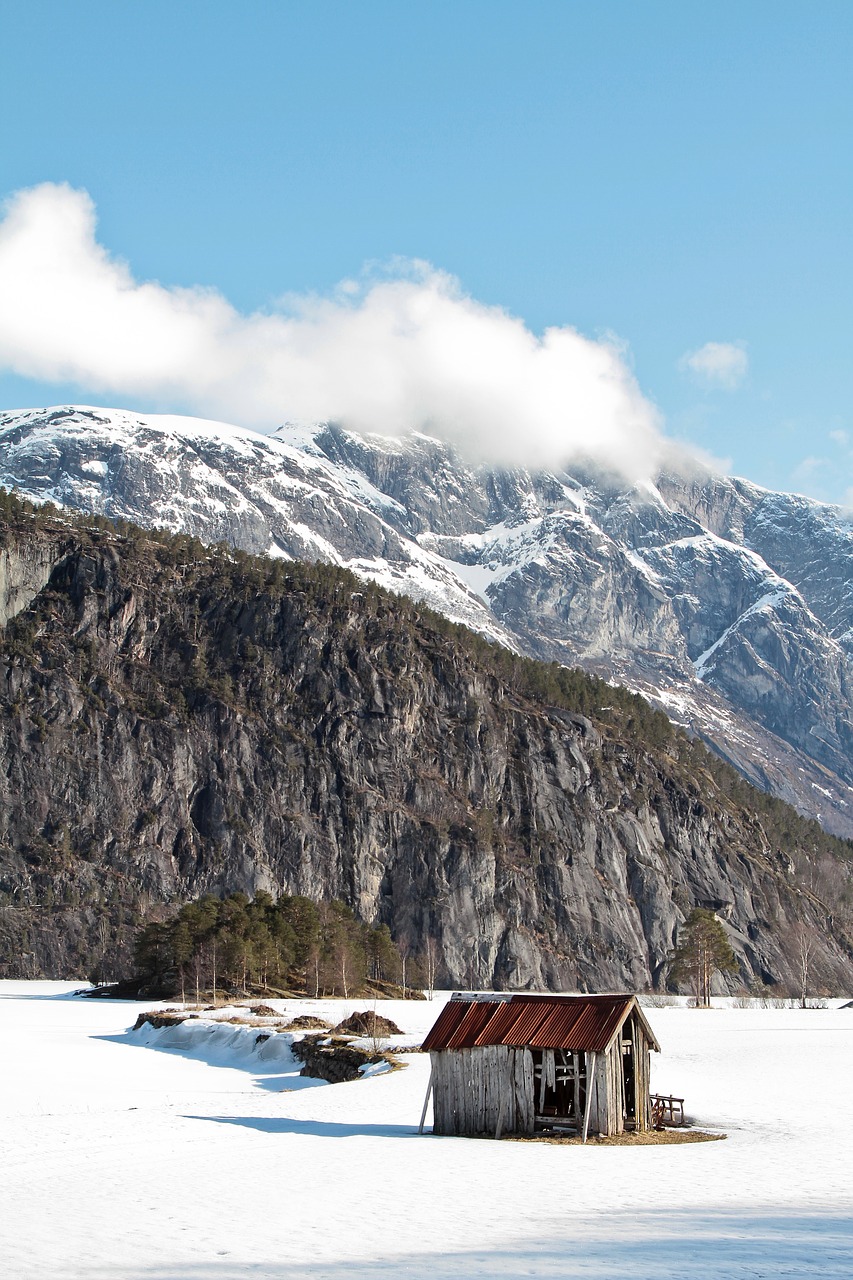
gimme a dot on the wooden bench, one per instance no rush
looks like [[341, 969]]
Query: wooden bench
[[666, 1110]]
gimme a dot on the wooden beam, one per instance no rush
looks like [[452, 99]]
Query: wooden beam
[[576, 1065], [590, 1078], [426, 1102]]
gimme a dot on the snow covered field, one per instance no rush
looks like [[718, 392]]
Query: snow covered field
[[124, 1162]]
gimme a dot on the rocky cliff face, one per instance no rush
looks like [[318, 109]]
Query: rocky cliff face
[[24, 570], [173, 724], [730, 606]]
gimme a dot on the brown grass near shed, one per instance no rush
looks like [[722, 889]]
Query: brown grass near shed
[[653, 1138]]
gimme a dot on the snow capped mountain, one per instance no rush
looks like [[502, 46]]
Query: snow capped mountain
[[729, 605]]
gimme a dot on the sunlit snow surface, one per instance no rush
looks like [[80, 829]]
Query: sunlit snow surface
[[127, 1163]]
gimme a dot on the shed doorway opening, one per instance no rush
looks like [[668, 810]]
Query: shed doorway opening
[[629, 1076], [559, 1087]]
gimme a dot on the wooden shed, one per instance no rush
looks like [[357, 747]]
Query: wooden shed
[[518, 1063]]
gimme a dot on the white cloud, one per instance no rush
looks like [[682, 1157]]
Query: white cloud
[[410, 351], [717, 364]]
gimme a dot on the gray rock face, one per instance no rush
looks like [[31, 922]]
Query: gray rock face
[[729, 606], [172, 730], [24, 571]]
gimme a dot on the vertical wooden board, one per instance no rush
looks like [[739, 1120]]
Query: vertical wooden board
[[439, 1096], [437, 1092], [592, 1075], [590, 1108], [480, 1083], [461, 1091], [612, 1090], [451, 1088], [602, 1093], [513, 1076], [453, 1069], [643, 1104], [576, 1068], [523, 1084], [487, 1088], [489, 1091], [508, 1089], [641, 1089], [646, 1097], [509, 1084], [618, 1088], [619, 1081], [426, 1104], [495, 1086], [465, 1100], [590, 1114], [520, 1090]]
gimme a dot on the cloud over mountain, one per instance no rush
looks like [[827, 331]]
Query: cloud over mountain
[[408, 351]]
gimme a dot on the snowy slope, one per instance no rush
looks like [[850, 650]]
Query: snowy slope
[[271, 496], [134, 1164], [729, 605]]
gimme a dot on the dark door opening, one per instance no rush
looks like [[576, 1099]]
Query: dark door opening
[[559, 1084], [629, 1076]]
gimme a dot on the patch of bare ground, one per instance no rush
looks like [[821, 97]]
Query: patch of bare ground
[[656, 1138], [336, 1060], [367, 1023]]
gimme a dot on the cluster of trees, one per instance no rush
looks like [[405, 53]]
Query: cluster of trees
[[703, 950], [289, 943]]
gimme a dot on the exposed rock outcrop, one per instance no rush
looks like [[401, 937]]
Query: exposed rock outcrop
[[171, 724], [24, 570]]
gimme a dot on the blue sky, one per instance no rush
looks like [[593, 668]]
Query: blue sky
[[675, 174]]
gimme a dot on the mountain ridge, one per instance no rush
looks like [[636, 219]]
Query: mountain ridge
[[178, 720], [728, 605]]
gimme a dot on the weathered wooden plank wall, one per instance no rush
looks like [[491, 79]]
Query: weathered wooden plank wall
[[474, 1089]]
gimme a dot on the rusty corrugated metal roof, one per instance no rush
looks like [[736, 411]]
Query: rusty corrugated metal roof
[[579, 1023]]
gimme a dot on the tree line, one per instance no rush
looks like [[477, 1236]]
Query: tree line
[[286, 944]]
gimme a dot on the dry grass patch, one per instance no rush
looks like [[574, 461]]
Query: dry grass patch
[[655, 1138]]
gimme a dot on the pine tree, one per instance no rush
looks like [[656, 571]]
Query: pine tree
[[703, 949]]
